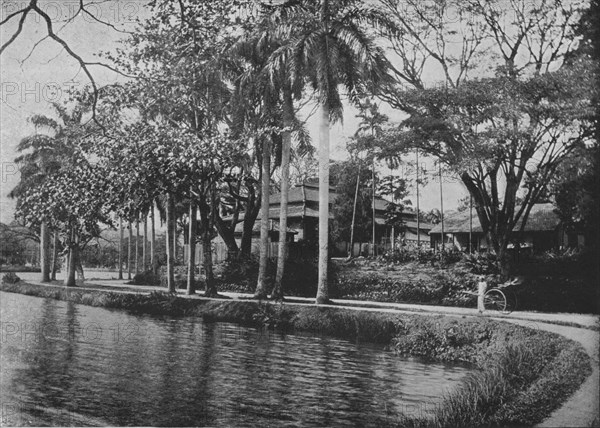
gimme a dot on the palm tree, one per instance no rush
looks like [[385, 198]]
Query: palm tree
[[327, 44], [268, 76], [261, 287], [45, 155], [269, 39]]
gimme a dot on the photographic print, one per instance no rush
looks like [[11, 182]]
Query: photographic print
[[265, 213]]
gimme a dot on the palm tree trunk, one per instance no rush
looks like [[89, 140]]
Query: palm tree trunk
[[470, 224], [120, 248], [137, 245], [54, 256], [418, 213], [174, 225], [191, 286], [45, 251], [170, 208], [70, 280], [442, 209], [211, 289], [374, 252], [205, 216], [322, 286], [288, 117], [79, 266], [129, 250], [152, 240], [261, 286], [145, 244]]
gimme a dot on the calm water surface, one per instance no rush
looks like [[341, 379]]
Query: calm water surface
[[68, 364]]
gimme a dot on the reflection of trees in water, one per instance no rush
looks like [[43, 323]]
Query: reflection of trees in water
[[48, 352], [183, 372], [184, 378]]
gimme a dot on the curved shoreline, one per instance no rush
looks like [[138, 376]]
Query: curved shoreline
[[378, 325]]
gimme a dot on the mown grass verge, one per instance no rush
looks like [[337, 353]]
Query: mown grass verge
[[522, 374]]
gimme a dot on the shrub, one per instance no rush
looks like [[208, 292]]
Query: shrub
[[300, 279], [180, 273], [10, 278], [409, 253], [148, 277], [443, 289], [481, 263], [451, 257], [240, 275]]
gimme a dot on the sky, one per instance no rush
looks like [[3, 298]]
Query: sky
[[32, 76]]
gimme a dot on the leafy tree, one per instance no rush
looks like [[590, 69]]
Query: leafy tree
[[575, 191], [575, 185], [72, 203], [45, 153], [506, 132], [182, 95], [351, 223], [433, 216], [369, 130], [396, 188], [12, 246]]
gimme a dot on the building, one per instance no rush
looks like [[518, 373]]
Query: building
[[303, 222], [542, 231]]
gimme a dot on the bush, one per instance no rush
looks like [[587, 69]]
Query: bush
[[180, 275], [409, 254], [240, 275], [481, 263], [443, 289], [300, 279], [10, 278], [146, 278], [451, 257]]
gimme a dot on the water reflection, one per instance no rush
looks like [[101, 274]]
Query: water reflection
[[65, 364]]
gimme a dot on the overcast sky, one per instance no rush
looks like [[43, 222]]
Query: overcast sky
[[31, 80]]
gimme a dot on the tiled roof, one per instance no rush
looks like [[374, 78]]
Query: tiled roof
[[293, 212], [296, 194], [541, 218], [239, 228], [422, 225]]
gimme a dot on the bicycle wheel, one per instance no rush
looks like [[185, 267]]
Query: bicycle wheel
[[495, 300]]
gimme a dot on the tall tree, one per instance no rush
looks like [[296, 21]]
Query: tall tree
[[262, 285], [504, 128], [280, 80], [74, 204], [370, 127], [44, 154], [352, 221], [329, 45]]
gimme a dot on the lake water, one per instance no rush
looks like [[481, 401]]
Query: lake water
[[68, 364]]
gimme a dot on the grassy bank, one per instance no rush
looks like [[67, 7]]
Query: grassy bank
[[523, 374]]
